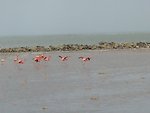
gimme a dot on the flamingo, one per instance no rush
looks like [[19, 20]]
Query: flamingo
[[85, 59], [64, 58], [2, 60], [38, 58], [20, 61], [46, 58], [16, 59], [42, 55]]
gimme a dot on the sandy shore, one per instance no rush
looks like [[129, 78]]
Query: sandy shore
[[115, 81]]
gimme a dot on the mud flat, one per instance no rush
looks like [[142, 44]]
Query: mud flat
[[115, 81]]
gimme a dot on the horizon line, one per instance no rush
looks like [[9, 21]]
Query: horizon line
[[75, 34]]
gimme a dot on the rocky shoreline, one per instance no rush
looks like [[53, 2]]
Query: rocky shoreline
[[77, 47]]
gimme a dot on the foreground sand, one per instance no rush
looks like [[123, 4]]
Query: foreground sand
[[115, 81]]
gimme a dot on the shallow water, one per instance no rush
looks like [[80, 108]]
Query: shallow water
[[114, 81]]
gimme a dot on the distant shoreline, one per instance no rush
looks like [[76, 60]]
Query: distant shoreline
[[79, 47]]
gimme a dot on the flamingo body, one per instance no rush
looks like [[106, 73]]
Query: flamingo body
[[63, 58], [85, 59], [41, 57], [20, 62], [37, 58], [47, 58], [16, 59], [2, 60]]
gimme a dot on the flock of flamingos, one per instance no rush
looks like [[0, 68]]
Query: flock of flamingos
[[43, 57]]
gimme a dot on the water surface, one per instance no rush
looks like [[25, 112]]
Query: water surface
[[112, 82], [19, 41]]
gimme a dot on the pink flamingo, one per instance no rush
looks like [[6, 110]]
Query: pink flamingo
[[20, 61], [46, 58], [64, 58], [85, 59], [38, 58], [16, 59], [42, 55]]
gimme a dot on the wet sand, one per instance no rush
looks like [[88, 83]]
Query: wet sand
[[116, 81]]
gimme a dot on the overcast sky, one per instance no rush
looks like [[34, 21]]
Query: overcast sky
[[43, 17]]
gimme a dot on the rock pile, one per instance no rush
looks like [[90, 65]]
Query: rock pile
[[77, 47]]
